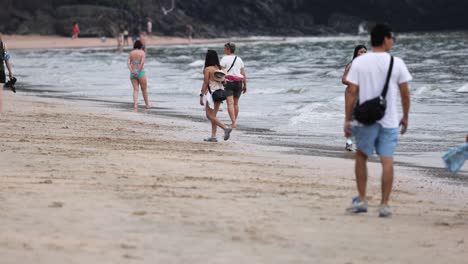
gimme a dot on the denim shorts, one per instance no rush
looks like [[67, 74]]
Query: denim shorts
[[375, 137]]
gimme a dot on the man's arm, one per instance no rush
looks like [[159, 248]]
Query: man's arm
[[244, 89], [350, 99], [405, 103]]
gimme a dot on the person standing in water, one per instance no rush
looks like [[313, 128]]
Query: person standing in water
[[211, 83], [236, 80], [4, 59], [136, 65], [358, 51]]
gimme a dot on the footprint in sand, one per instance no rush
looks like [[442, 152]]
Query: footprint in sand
[[56, 205]]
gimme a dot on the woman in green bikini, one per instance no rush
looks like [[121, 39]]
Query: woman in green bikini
[[136, 65]]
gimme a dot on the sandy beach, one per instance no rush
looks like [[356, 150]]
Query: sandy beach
[[42, 42], [81, 183]]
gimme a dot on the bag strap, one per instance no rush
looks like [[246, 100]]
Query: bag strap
[[234, 62], [385, 90], [2, 52]]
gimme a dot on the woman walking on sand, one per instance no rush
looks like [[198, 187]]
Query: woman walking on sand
[[136, 65], [212, 82]]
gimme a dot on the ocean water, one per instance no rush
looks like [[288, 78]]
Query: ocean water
[[295, 96]]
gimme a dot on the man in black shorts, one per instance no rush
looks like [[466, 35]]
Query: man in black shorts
[[236, 80]]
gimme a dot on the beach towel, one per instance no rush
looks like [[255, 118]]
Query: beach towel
[[455, 158]]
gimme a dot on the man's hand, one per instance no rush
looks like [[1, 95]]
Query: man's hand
[[201, 100], [403, 125], [347, 129], [244, 89]]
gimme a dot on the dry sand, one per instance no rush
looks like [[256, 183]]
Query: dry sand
[[81, 184], [42, 42]]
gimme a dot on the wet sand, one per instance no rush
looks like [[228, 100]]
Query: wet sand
[[82, 184]]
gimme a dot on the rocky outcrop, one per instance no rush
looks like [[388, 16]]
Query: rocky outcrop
[[221, 18]]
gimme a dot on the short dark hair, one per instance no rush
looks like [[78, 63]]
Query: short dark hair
[[378, 34], [138, 44], [231, 46]]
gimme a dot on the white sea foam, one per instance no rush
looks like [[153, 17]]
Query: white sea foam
[[197, 63], [463, 89], [429, 91]]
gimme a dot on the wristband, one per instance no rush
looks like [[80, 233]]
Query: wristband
[[201, 94]]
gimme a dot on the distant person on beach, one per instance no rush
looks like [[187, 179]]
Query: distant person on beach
[[125, 36], [4, 60], [236, 80], [189, 30], [358, 51], [149, 27], [135, 33], [120, 42], [367, 77], [144, 40], [75, 30], [211, 83], [136, 65]]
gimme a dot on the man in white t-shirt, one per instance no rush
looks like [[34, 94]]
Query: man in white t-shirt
[[236, 80], [367, 78]]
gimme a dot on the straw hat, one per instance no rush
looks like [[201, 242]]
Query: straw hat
[[219, 76]]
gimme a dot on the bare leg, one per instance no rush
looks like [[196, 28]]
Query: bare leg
[[361, 174], [236, 107], [144, 89], [211, 115], [136, 87], [231, 110], [387, 178], [214, 127]]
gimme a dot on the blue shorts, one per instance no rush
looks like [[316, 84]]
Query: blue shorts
[[375, 137]]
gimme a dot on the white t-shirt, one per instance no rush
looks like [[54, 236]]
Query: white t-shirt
[[369, 72], [226, 63]]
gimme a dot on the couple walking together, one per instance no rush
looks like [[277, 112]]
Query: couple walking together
[[222, 80]]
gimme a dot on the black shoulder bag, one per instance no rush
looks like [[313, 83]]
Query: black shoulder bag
[[373, 110]]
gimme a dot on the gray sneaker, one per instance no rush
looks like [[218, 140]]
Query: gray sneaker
[[385, 211], [210, 139], [227, 133], [357, 207]]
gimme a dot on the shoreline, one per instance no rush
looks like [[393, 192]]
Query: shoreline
[[85, 184], [19, 42], [317, 150], [62, 42]]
